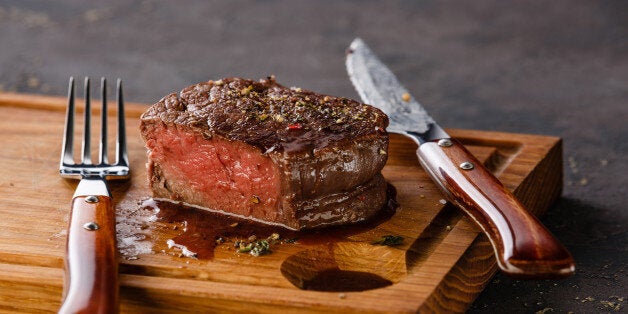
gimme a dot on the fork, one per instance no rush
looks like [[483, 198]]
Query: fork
[[91, 266]]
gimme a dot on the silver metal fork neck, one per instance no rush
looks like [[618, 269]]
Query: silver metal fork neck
[[118, 171], [92, 185]]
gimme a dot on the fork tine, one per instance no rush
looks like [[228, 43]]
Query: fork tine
[[122, 157], [68, 138], [87, 157], [103, 125]]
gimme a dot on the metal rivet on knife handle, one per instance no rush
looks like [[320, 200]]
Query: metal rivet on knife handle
[[91, 226], [466, 166], [445, 142], [91, 199]]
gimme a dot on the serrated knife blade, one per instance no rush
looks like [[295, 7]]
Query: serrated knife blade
[[523, 247], [377, 85]]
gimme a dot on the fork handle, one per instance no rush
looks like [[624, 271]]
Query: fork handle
[[91, 276]]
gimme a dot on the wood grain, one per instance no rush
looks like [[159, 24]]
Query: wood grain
[[443, 263]]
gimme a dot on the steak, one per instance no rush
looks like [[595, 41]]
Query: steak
[[257, 149]]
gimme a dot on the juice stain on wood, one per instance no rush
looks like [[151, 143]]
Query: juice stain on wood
[[155, 226], [198, 232]]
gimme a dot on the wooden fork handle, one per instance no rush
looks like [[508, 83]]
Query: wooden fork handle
[[524, 248], [91, 275]]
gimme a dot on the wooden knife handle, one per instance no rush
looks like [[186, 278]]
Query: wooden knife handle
[[91, 275], [524, 248]]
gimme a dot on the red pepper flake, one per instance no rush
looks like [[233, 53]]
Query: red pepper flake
[[295, 126]]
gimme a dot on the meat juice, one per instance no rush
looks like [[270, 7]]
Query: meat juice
[[192, 232]]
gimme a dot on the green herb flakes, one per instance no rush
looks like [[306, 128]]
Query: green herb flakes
[[255, 248], [389, 240]]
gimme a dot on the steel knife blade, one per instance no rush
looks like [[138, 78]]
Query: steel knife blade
[[523, 247]]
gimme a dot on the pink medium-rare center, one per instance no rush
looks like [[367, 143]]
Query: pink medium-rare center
[[216, 172]]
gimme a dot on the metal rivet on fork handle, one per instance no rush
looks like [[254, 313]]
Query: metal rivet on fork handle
[[91, 199], [91, 226]]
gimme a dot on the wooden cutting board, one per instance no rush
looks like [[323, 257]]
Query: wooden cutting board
[[442, 264]]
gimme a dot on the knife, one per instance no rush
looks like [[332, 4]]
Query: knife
[[523, 247]]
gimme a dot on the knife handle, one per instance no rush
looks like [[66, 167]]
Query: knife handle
[[91, 274], [523, 247]]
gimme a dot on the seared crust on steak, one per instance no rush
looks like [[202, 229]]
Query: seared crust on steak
[[267, 115]]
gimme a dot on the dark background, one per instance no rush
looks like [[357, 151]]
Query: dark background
[[543, 67]]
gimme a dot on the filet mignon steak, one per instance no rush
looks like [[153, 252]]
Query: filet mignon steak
[[260, 150]]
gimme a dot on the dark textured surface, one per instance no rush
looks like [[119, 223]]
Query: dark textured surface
[[270, 116], [545, 67]]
